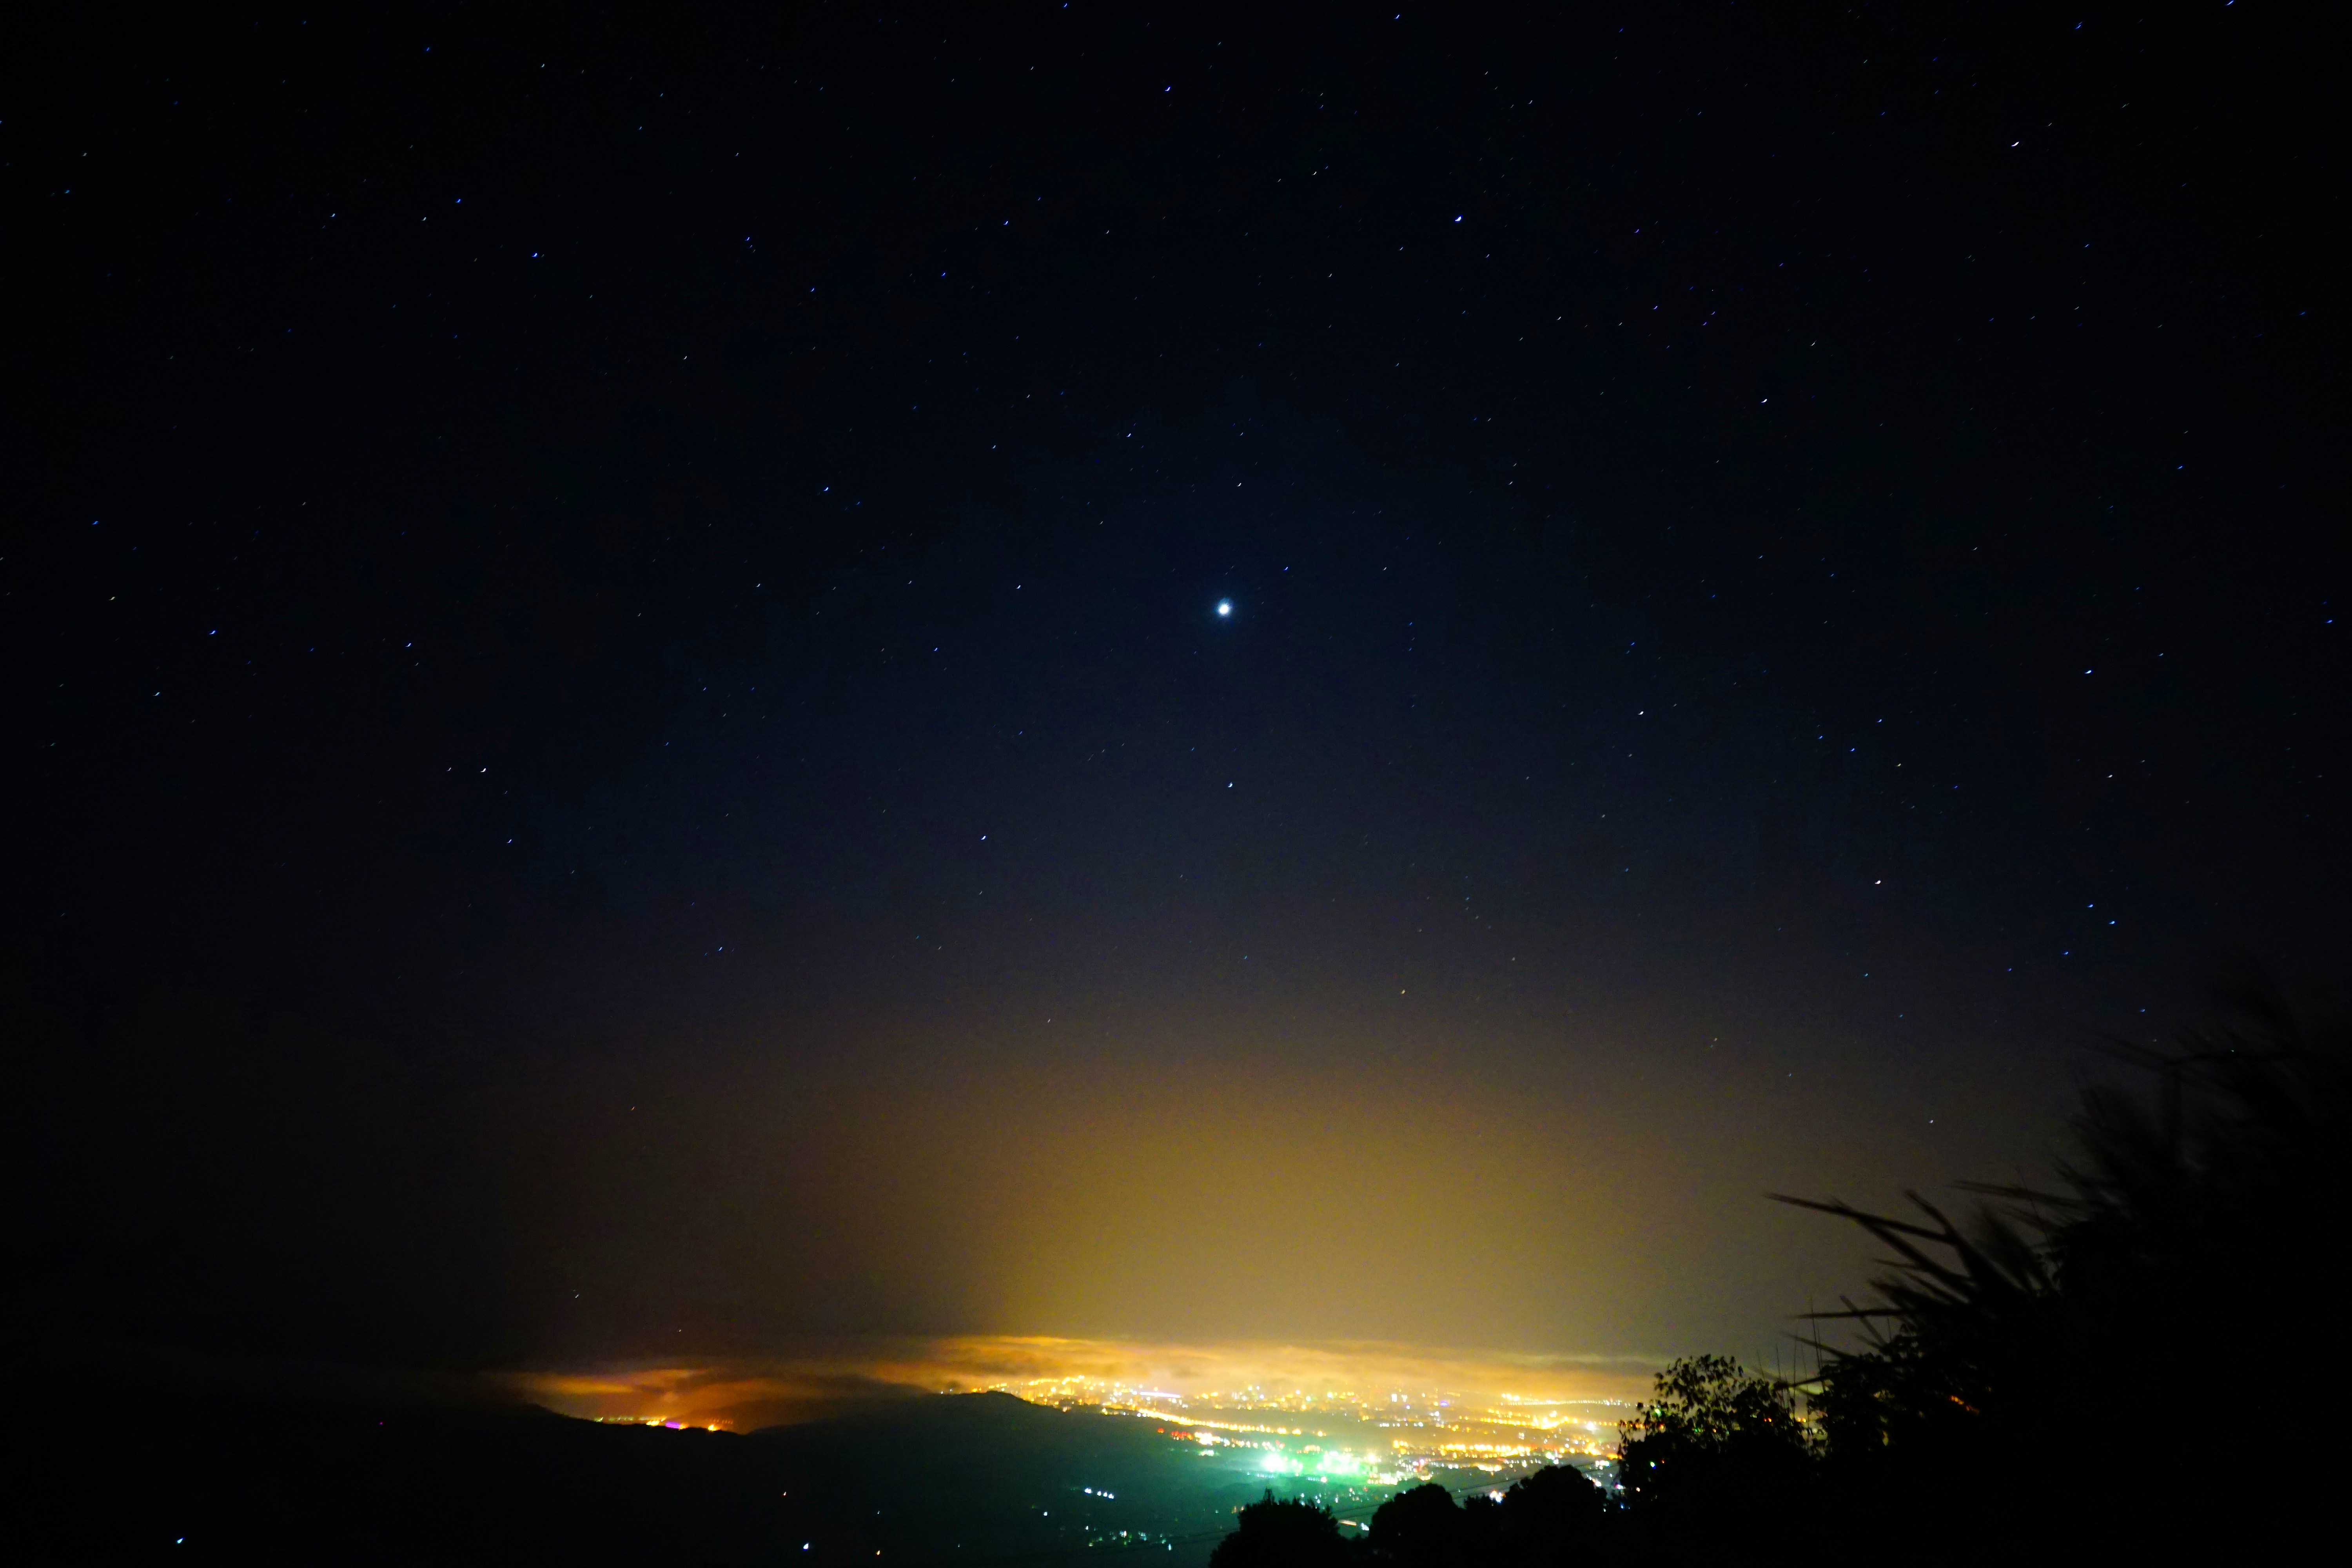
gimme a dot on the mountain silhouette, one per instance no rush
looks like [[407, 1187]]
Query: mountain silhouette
[[196, 1475]]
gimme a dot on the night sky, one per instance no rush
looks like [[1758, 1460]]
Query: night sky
[[690, 678]]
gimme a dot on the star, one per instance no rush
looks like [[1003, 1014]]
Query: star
[[1224, 608]]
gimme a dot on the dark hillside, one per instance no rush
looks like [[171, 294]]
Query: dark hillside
[[270, 1480]]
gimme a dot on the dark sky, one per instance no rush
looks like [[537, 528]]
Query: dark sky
[[622, 744]]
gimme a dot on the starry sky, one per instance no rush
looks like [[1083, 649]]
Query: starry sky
[[693, 678]]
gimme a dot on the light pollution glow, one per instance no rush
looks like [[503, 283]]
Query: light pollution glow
[[745, 1392]]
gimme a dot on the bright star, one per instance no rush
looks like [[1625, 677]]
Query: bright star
[[1224, 607]]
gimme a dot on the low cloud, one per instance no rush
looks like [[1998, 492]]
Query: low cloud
[[820, 1381]]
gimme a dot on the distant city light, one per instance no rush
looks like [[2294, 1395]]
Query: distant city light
[[1347, 1430]]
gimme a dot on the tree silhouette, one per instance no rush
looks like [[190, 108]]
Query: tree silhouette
[[1715, 1445], [1278, 1534], [1552, 1516], [1422, 1527]]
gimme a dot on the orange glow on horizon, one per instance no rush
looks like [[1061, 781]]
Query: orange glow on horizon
[[1153, 1380]]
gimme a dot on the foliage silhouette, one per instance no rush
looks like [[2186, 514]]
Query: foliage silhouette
[[1422, 1527], [1277, 1533], [1552, 1516], [2198, 1222], [1716, 1445]]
